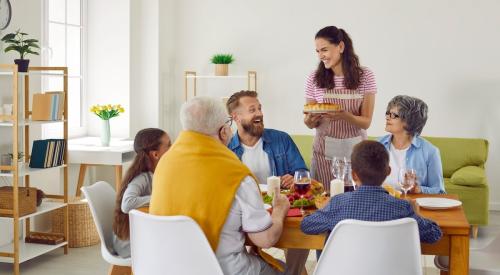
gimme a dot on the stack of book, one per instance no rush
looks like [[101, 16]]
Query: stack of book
[[48, 106], [47, 153]]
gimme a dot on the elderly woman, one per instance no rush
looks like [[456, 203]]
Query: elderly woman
[[405, 118]]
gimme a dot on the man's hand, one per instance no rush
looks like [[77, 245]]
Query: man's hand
[[286, 181], [281, 205]]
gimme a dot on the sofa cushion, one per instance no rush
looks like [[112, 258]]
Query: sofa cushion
[[474, 198], [469, 176], [460, 152], [304, 143]]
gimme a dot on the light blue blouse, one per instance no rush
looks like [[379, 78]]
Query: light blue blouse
[[425, 159]]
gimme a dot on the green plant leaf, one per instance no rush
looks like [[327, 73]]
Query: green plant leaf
[[222, 59], [9, 36]]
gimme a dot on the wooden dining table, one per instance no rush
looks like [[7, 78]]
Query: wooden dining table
[[453, 223]]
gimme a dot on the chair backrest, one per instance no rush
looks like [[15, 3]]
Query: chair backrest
[[359, 247], [173, 243], [101, 199]]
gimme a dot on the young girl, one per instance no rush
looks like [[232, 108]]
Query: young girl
[[149, 144]]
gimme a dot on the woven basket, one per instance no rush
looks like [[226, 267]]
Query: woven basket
[[82, 230], [27, 200]]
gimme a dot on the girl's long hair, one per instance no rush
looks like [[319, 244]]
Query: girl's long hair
[[350, 61], [146, 140]]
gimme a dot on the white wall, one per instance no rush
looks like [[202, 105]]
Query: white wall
[[108, 62], [445, 52], [144, 65]]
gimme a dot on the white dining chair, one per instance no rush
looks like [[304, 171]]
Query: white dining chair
[[169, 243], [377, 248], [101, 199]]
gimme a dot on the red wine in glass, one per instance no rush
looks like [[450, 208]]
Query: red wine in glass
[[302, 188], [349, 188]]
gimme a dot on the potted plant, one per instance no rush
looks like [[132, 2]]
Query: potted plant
[[17, 42], [106, 112], [222, 62], [20, 156]]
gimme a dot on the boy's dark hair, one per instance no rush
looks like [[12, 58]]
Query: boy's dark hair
[[370, 162], [234, 101]]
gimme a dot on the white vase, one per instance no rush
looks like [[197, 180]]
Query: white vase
[[105, 132]]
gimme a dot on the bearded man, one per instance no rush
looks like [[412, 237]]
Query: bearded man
[[266, 152]]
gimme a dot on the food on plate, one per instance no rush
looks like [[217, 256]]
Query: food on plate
[[321, 201], [316, 188], [321, 107], [392, 191]]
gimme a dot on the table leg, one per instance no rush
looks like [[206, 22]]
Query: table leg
[[81, 178], [459, 255], [118, 177]]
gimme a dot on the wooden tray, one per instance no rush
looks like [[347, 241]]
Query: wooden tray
[[45, 238]]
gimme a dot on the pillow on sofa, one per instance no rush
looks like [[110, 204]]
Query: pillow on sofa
[[469, 176]]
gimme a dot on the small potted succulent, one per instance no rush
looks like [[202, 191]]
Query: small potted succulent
[[222, 62], [17, 42]]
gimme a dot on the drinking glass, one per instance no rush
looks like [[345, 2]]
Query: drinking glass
[[338, 165], [406, 179], [349, 184], [302, 184]]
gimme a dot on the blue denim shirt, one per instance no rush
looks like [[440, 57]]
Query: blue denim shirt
[[425, 159], [367, 203], [284, 156]]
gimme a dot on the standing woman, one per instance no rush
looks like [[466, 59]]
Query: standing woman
[[341, 80], [149, 144]]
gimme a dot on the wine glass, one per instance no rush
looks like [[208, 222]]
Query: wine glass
[[302, 184], [406, 179], [338, 165], [349, 184]]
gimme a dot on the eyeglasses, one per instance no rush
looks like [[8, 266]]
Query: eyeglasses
[[391, 115], [229, 121]]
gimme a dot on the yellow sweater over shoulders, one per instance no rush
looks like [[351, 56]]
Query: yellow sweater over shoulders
[[198, 177]]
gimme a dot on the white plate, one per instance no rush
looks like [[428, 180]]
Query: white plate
[[267, 206], [438, 203]]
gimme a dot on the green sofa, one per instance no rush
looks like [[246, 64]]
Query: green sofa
[[463, 171]]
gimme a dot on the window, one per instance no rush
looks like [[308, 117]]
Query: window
[[64, 45]]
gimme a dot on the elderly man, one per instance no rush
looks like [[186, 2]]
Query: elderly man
[[201, 178], [266, 152]]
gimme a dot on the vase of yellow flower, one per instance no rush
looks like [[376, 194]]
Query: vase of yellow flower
[[106, 112]]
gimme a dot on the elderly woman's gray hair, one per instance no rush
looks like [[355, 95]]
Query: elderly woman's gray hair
[[204, 115], [412, 111]]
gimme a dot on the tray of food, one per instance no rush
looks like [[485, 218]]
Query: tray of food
[[296, 199], [321, 108]]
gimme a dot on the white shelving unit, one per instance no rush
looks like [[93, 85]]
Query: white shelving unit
[[25, 170], [18, 250], [28, 251], [46, 206], [191, 75], [28, 122]]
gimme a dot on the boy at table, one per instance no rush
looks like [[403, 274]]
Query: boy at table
[[370, 202]]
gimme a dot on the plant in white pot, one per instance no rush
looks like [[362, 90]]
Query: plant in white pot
[[17, 42], [222, 62]]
